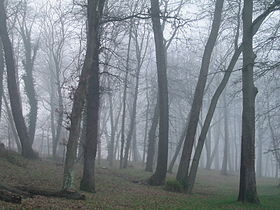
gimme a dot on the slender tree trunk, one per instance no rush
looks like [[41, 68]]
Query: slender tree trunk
[[247, 187], [152, 140], [74, 132], [226, 137], [133, 116], [178, 147], [114, 126], [12, 124], [158, 178], [124, 98], [183, 169], [259, 157], [15, 101], [2, 69], [209, 150]]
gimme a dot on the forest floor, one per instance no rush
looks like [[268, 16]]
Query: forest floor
[[124, 189]]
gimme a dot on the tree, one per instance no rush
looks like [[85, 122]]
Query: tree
[[256, 25], [141, 50], [183, 169], [158, 177], [30, 52], [247, 185], [14, 94], [95, 11]]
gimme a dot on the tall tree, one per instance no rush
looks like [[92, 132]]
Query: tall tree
[[30, 52], [141, 50], [256, 25], [14, 94], [159, 176], [95, 11], [247, 185], [183, 169]]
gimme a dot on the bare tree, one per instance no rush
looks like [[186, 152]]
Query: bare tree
[[95, 11], [183, 169], [15, 101], [247, 187], [159, 176], [30, 52]]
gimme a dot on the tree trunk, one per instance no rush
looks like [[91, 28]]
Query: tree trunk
[[124, 98], [226, 137], [95, 10], [134, 110], [28, 64], [74, 132], [247, 187], [158, 178], [208, 150], [178, 147], [12, 124], [146, 123], [256, 25], [114, 126], [259, 157], [183, 169], [152, 140], [15, 101], [2, 69]]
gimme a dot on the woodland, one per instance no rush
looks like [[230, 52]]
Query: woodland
[[139, 104]]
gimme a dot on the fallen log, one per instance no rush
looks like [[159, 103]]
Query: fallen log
[[73, 195], [10, 197], [16, 194]]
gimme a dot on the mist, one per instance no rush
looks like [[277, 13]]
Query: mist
[[180, 91]]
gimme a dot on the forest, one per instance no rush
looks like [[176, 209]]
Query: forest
[[139, 104]]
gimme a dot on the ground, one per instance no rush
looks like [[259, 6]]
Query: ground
[[124, 189]]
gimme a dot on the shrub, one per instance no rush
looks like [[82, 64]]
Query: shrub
[[174, 186]]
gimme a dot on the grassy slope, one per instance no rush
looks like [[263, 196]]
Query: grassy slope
[[115, 189]]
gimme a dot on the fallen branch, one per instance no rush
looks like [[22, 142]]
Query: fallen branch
[[16, 194]]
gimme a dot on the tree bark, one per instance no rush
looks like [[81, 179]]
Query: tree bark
[[247, 185], [158, 178], [95, 10]]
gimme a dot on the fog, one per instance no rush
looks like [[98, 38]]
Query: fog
[[126, 113]]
